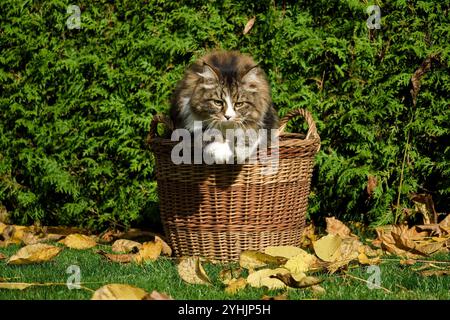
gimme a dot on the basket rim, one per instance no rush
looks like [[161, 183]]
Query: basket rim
[[289, 140], [286, 139]]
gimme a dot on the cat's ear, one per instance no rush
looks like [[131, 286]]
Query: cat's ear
[[250, 78], [209, 73]]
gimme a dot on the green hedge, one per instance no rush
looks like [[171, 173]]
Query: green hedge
[[76, 103]]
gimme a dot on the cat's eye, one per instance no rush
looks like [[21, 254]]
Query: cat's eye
[[238, 104], [218, 103]]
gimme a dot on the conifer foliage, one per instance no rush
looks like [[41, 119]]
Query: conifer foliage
[[76, 103]]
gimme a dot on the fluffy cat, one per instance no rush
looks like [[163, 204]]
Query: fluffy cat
[[224, 90]]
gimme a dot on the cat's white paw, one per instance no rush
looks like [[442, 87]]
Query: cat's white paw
[[218, 152]]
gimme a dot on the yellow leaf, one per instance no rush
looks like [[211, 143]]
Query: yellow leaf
[[15, 285], [291, 281], [261, 278], [2, 227], [284, 251], [13, 234], [347, 252], [251, 259], [34, 253], [119, 292], [363, 259], [235, 285], [300, 263], [78, 241], [166, 250], [191, 271], [150, 251], [124, 245], [308, 236], [327, 248]]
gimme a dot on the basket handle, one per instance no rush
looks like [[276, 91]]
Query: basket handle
[[159, 118], [312, 130]]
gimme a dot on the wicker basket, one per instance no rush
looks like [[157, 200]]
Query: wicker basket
[[216, 211]]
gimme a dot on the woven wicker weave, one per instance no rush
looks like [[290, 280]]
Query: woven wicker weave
[[216, 211]]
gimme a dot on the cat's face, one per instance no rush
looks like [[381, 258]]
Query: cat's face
[[230, 93]]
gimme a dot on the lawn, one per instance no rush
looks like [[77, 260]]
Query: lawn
[[402, 281]]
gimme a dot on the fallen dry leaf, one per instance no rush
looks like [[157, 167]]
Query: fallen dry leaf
[[284, 251], [64, 230], [348, 251], [302, 262], [389, 244], [53, 237], [446, 222], [191, 271], [249, 25], [363, 259], [2, 256], [13, 234], [414, 242], [119, 292], [424, 204], [408, 262], [283, 296], [134, 234], [15, 285], [155, 295], [234, 285], [261, 278], [427, 265], [327, 248], [34, 253], [318, 289], [121, 258], [166, 250], [251, 259], [78, 241], [150, 251], [291, 282], [429, 273], [336, 227], [432, 229], [126, 246], [308, 237], [30, 238], [2, 227], [433, 246]]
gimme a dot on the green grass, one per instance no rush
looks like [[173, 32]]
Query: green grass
[[162, 276]]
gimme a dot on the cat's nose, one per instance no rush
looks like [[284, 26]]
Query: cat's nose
[[227, 117]]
